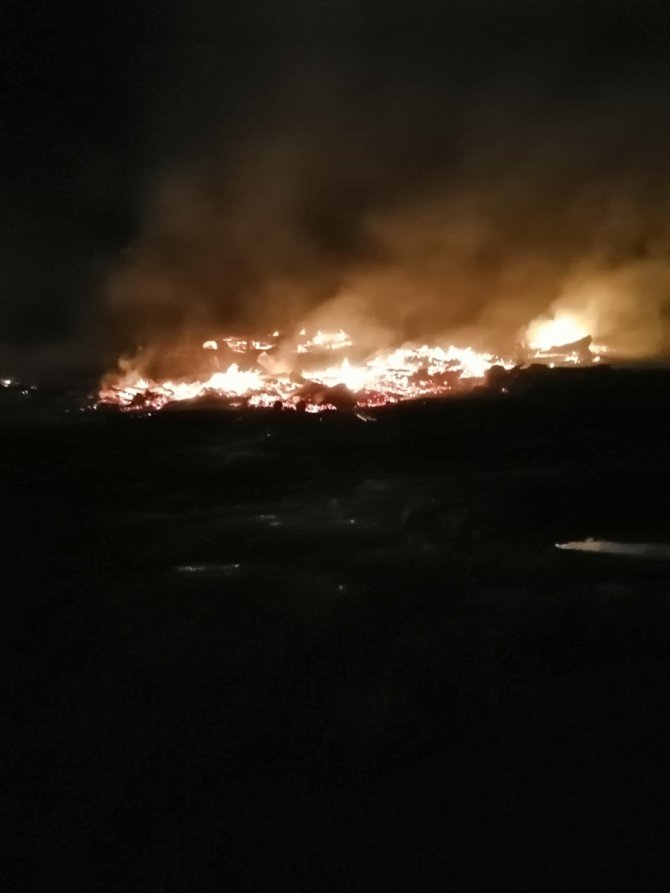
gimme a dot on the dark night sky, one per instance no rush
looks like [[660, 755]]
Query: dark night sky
[[376, 103]]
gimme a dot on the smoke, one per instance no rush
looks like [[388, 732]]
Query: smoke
[[455, 185], [625, 307]]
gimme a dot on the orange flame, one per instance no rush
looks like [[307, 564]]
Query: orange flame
[[269, 374], [563, 328]]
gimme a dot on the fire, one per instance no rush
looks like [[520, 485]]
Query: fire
[[237, 345], [265, 378], [564, 328], [300, 372], [356, 378], [325, 341], [134, 390]]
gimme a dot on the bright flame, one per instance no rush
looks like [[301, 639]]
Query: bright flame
[[237, 345], [386, 377], [563, 328], [324, 341], [353, 377], [273, 374], [136, 391]]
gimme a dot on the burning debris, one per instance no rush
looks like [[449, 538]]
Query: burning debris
[[545, 333], [560, 340], [299, 372]]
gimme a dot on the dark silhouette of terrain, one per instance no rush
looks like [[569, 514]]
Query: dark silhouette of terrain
[[270, 651]]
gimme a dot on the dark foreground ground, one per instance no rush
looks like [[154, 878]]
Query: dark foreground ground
[[264, 652]]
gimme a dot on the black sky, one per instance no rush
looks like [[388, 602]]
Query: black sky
[[376, 103]]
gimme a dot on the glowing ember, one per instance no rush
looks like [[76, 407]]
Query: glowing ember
[[386, 377], [325, 341], [237, 345]]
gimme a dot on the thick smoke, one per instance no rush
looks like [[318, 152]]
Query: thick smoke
[[454, 183]]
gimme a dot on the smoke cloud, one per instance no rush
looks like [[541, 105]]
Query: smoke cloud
[[332, 233], [402, 171]]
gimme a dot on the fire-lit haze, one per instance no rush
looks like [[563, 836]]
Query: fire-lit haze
[[406, 173]]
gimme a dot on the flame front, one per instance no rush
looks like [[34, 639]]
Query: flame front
[[299, 372], [385, 377], [132, 390]]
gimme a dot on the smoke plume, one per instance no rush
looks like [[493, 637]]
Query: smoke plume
[[455, 183]]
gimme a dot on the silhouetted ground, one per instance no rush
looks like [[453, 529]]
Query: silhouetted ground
[[265, 652]]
